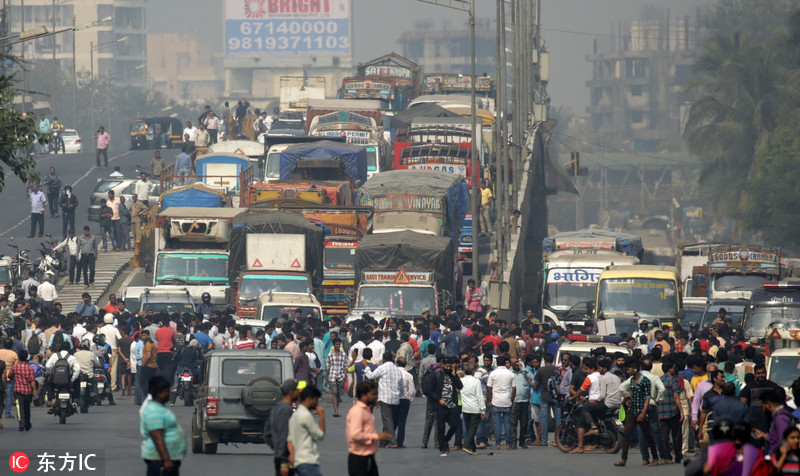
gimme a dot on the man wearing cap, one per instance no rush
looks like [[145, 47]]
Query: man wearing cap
[[279, 425], [642, 330]]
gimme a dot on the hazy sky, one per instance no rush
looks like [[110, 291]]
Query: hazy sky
[[377, 24]]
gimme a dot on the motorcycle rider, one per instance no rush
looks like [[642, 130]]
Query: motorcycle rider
[[189, 359], [88, 360], [61, 351], [205, 307], [102, 350]]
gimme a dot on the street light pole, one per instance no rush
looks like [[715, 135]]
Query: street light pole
[[55, 67], [91, 66], [74, 80], [468, 6]]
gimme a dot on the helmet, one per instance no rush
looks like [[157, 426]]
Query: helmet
[[99, 340], [108, 318], [84, 345], [205, 296]]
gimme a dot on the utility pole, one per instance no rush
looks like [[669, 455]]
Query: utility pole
[[74, 80], [498, 143], [55, 65], [24, 70]]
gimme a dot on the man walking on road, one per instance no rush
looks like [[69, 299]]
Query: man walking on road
[[156, 166], [183, 166], [278, 431], [87, 250], [362, 438], [68, 203], [103, 141], [390, 388], [38, 204], [304, 434], [53, 183]]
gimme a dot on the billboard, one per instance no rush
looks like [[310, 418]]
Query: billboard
[[287, 27]]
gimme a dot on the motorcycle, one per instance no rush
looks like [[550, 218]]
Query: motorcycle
[[64, 406], [102, 390], [608, 437], [87, 393], [51, 265], [186, 389], [20, 263]]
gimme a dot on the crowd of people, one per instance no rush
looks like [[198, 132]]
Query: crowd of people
[[487, 383]]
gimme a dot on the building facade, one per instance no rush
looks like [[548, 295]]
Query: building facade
[[184, 67], [636, 86], [447, 49], [112, 34]]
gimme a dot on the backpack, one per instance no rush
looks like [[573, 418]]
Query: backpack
[[34, 345], [62, 370], [428, 383], [553, 383]]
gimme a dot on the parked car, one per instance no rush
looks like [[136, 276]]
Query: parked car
[[122, 187], [238, 390], [72, 141]]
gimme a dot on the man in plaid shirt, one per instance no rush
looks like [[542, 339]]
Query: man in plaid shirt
[[22, 373], [669, 410], [335, 371]]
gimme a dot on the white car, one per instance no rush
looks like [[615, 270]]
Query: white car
[[72, 141]]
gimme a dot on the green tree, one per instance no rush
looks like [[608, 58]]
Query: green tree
[[18, 133], [743, 91], [755, 18], [774, 184]]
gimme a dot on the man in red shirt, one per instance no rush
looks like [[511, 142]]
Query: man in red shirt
[[112, 305], [165, 337], [22, 373], [362, 439]]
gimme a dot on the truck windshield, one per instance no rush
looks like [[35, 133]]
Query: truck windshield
[[340, 258], [170, 307], [738, 282], [269, 313], [254, 285], [645, 297], [784, 370], [410, 299], [5, 275], [762, 316], [192, 269], [274, 166], [567, 287]]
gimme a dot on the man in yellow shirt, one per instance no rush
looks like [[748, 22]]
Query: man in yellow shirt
[[486, 201]]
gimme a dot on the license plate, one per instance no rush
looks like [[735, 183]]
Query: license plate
[[63, 396], [101, 385], [186, 379], [83, 384]]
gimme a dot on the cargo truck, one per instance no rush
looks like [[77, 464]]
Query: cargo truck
[[191, 246], [734, 271], [403, 273], [273, 251]]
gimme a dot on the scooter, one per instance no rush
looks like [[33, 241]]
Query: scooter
[[102, 390]]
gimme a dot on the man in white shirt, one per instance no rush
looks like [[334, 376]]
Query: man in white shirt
[[501, 390], [71, 244], [38, 203], [191, 131], [473, 406], [409, 391], [112, 335], [143, 187], [378, 349], [48, 294], [390, 388], [31, 281]]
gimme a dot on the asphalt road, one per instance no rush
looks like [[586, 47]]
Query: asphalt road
[[113, 433], [78, 170]]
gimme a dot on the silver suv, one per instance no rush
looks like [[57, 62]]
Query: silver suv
[[173, 300], [121, 186], [238, 390]]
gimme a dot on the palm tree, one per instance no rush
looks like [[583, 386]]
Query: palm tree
[[743, 90]]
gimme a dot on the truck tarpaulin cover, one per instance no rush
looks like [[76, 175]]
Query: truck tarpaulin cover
[[424, 183], [194, 195], [353, 157], [631, 245], [409, 250], [275, 222], [402, 120]]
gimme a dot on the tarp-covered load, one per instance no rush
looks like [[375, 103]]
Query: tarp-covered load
[[353, 158], [259, 222], [410, 251], [403, 120], [194, 195], [385, 192], [599, 238]]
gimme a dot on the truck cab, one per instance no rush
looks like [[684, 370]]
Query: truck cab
[[782, 349], [399, 293], [774, 303], [570, 281], [641, 291], [734, 272]]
